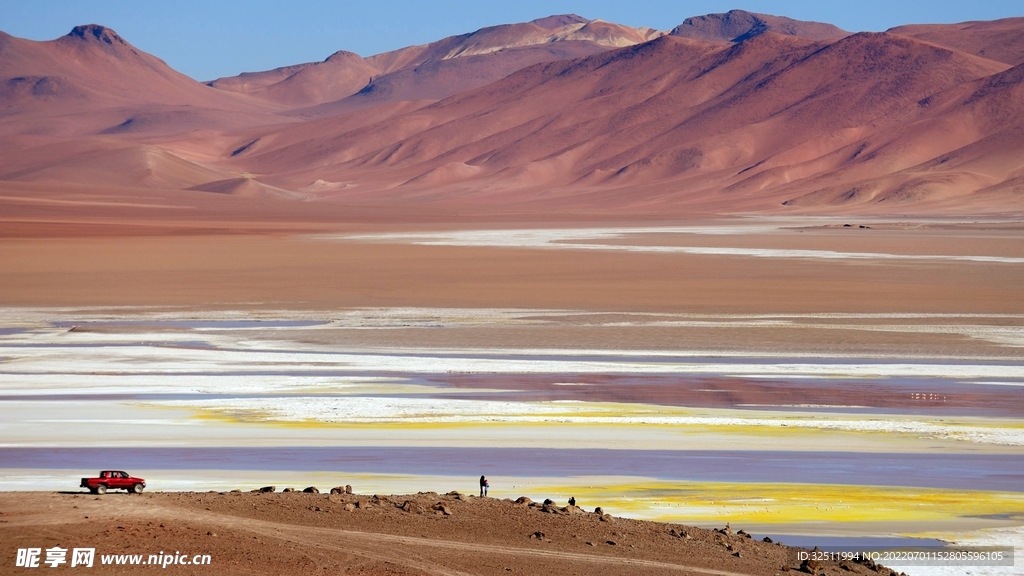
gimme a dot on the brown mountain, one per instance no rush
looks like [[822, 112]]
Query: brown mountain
[[94, 67], [341, 74], [1000, 40], [561, 113], [436, 70], [73, 110], [739, 25], [753, 124]]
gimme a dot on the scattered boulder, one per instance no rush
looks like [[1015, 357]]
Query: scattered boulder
[[611, 542], [810, 566], [767, 540], [338, 490], [549, 502], [736, 554], [349, 507], [266, 489], [599, 511], [235, 491], [538, 535], [680, 534], [348, 488], [744, 534], [524, 501], [411, 507], [288, 490], [311, 490], [551, 509], [442, 509]]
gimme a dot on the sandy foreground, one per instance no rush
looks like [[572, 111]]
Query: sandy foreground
[[425, 533]]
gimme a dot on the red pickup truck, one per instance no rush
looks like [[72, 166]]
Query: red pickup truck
[[114, 480]]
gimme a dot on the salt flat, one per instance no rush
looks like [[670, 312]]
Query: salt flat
[[891, 356]]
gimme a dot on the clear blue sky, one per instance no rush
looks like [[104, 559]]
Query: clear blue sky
[[207, 39]]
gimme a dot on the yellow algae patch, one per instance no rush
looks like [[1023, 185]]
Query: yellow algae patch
[[392, 411], [783, 503]]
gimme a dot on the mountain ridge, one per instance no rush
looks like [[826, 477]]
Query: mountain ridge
[[757, 113]]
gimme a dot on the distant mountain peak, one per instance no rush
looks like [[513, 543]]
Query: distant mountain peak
[[96, 32], [740, 25], [343, 55], [559, 20]]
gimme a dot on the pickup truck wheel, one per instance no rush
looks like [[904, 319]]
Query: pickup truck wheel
[[101, 489], [137, 488]]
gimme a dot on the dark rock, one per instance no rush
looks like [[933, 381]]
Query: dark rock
[[549, 502], [268, 489], [524, 500], [348, 488], [311, 490], [599, 511], [288, 490], [810, 566], [766, 540], [442, 509], [338, 490], [610, 542], [680, 534], [411, 507], [743, 533]]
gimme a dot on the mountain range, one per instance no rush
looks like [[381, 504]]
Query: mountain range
[[733, 112]]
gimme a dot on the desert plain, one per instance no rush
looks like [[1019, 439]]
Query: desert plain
[[408, 285]]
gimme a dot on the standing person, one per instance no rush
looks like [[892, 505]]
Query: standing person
[[484, 485]]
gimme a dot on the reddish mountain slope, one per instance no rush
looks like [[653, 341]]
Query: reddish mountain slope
[[1000, 40], [93, 66], [436, 70], [757, 122], [550, 113], [341, 74], [74, 110]]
